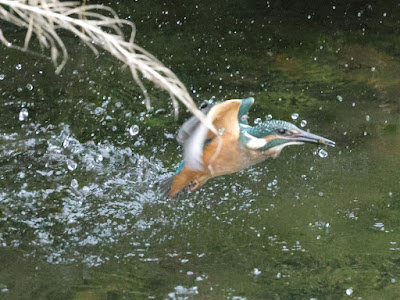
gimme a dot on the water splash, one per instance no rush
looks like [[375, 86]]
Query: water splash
[[23, 114], [134, 130], [322, 153], [257, 121], [97, 207], [71, 164], [349, 291], [268, 117]]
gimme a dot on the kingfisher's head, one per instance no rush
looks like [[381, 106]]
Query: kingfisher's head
[[272, 136]]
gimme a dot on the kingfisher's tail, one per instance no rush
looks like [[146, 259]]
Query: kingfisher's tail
[[164, 187], [173, 185]]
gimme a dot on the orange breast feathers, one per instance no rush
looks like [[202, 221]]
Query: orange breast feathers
[[220, 156]]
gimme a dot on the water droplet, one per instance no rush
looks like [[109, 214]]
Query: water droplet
[[160, 111], [373, 69], [322, 153], [2, 76], [256, 272], [379, 225], [99, 110], [29, 86], [295, 116], [71, 164], [303, 123], [340, 98], [349, 291], [23, 114], [368, 118], [257, 121], [268, 117], [18, 66], [74, 183], [134, 130]]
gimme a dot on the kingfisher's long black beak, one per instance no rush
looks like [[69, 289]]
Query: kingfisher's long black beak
[[308, 137]]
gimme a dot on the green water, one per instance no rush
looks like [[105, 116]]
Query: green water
[[78, 219]]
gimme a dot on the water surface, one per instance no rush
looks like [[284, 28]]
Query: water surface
[[78, 216]]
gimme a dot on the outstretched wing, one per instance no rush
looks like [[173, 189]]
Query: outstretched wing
[[187, 128], [224, 117]]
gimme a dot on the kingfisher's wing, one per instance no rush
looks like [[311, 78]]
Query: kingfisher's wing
[[190, 125], [244, 110], [224, 117], [187, 129]]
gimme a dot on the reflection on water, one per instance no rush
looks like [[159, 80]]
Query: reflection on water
[[79, 157]]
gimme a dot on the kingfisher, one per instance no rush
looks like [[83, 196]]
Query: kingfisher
[[233, 146]]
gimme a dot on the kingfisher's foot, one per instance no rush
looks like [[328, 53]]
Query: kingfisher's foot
[[195, 185]]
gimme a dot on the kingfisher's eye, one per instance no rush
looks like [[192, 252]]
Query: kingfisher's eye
[[281, 131], [204, 104]]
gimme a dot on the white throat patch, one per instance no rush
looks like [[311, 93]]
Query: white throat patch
[[254, 143]]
